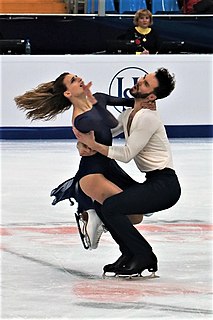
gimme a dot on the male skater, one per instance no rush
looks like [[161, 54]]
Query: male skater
[[146, 142]]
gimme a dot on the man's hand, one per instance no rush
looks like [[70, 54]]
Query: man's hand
[[84, 150], [89, 140], [86, 138]]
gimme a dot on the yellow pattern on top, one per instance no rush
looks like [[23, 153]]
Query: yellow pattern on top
[[143, 31]]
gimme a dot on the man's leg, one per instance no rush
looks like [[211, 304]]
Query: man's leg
[[159, 192], [126, 255], [124, 233]]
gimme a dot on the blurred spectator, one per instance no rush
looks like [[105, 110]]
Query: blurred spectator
[[204, 7], [144, 36], [188, 6], [149, 5], [180, 4]]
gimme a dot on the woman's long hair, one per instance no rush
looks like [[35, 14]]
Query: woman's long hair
[[46, 101]]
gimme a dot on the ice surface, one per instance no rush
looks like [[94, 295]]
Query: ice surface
[[47, 274]]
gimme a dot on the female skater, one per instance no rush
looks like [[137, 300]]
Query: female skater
[[96, 172]]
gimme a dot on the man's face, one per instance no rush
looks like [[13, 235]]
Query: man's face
[[144, 86]]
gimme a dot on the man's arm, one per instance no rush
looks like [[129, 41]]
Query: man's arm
[[135, 143]]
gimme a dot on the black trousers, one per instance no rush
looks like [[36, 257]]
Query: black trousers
[[160, 191]]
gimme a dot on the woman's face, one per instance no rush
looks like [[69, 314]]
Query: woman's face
[[144, 21], [74, 84]]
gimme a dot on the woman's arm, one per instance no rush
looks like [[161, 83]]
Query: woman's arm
[[119, 128], [117, 101]]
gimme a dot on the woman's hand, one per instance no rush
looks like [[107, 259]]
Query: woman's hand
[[147, 104], [145, 51], [88, 93]]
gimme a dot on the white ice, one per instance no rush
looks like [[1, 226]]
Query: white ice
[[47, 274]]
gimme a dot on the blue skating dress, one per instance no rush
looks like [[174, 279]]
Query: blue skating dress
[[101, 121]]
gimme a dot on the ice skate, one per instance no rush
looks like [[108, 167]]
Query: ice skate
[[90, 228], [94, 228], [110, 269], [136, 265]]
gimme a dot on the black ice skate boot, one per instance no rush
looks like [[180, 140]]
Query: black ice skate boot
[[120, 262], [137, 264]]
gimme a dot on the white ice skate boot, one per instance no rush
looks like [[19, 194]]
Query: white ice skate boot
[[93, 228]]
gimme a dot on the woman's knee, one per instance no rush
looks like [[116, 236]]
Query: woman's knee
[[91, 185], [135, 218], [98, 187]]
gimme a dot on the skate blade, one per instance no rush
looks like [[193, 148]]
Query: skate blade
[[150, 276], [136, 276], [81, 224], [108, 275]]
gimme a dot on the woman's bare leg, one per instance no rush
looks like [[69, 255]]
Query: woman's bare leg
[[97, 187], [135, 218]]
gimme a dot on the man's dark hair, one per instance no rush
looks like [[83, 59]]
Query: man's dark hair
[[166, 83]]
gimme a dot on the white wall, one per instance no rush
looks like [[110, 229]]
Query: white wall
[[189, 104]]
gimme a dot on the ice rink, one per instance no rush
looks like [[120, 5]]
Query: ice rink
[[47, 274]]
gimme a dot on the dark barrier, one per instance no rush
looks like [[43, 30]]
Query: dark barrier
[[23, 133], [67, 34]]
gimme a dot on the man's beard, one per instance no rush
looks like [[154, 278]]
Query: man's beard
[[138, 95]]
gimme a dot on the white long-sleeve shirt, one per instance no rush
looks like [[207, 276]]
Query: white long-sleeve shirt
[[147, 143]]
